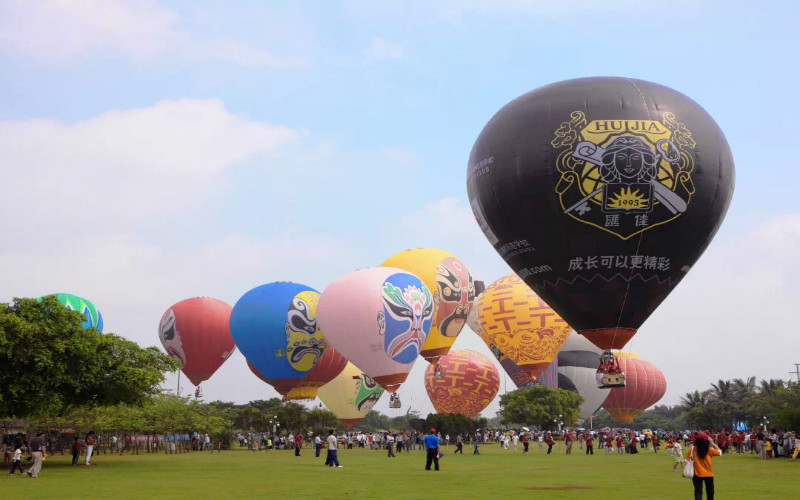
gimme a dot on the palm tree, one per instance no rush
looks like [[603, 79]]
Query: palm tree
[[694, 399], [723, 390], [744, 389], [771, 386]]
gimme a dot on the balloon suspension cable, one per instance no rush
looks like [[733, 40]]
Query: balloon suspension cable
[[627, 290]]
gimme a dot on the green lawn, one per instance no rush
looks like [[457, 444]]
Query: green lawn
[[370, 474]]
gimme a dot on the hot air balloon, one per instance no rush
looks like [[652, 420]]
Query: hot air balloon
[[520, 377], [256, 372], [197, 333], [520, 325], [645, 387], [453, 292], [93, 318], [468, 384], [601, 193], [378, 318], [326, 369], [549, 377], [350, 395], [275, 327], [577, 366]]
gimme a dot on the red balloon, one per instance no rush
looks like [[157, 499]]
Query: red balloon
[[327, 368], [645, 385], [468, 382], [259, 375], [197, 332]]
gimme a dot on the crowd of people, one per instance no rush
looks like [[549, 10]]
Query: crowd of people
[[682, 446]]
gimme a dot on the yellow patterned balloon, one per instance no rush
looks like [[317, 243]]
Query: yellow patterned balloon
[[350, 396], [520, 325], [453, 293]]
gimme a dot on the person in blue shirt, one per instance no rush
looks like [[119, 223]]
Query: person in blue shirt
[[432, 445]]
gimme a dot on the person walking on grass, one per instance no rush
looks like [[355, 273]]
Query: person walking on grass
[[317, 445], [77, 446], [298, 443], [459, 445], [38, 452], [550, 443], [332, 459], [16, 461], [432, 443], [90, 446], [704, 448], [589, 445]]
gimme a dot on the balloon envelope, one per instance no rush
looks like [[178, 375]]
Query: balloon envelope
[[520, 326], [378, 318], [601, 193], [350, 395], [577, 366], [645, 385], [92, 317], [197, 333], [469, 382], [520, 377], [326, 369], [275, 327], [453, 293]]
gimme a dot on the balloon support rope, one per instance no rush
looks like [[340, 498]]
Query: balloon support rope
[[627, 290]]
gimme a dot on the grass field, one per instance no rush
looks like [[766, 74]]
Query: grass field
[[241, 474]]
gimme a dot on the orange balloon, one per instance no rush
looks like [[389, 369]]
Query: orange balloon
[[469, 382], [520, 325]]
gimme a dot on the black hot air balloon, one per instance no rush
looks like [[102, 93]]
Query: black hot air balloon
[[601, 193]]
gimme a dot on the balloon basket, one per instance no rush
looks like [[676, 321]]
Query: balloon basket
[[394, 401], [611, 380], [198, 393], [437, 373]]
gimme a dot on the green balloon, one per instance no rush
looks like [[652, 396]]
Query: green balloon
[[93, 318]]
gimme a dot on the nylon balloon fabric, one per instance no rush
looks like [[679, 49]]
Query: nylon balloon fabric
[[645, 385], [350, 395], [92, 316], [453, 291], [469, 382], [275, 327], [520, 326], [378, 318], [197, 333], [601, 193]]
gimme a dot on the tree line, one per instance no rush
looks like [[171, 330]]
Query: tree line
[[726, 404]]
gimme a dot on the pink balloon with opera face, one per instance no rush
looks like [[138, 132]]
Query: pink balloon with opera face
[[378, 318]]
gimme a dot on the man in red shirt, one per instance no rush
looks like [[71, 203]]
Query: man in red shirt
[[589, 445], [526, 441], [298, 443], [568, 440]]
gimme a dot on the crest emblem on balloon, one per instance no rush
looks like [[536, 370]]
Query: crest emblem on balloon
[[304, 342], [624, 176], [408, 314]]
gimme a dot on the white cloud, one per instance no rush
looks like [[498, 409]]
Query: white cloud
[[381, 49], [59, 32], [123, 168]]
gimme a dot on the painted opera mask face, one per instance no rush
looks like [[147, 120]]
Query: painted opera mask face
[[304, 341], [456, 293], [408, 316], [171, 337]]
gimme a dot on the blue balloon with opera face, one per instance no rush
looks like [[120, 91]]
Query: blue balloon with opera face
[[275, 328]]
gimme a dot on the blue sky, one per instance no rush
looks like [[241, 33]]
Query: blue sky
[[162, 150]]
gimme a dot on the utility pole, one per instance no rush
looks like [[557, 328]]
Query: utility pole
[[796, 372]]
